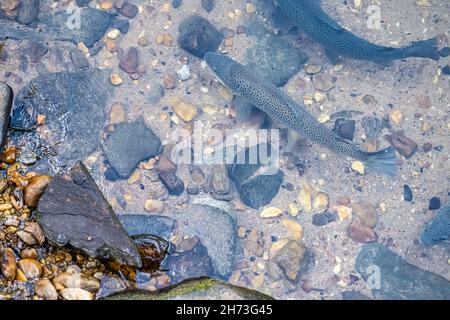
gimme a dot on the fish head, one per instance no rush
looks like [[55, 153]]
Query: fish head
[[221, 66]]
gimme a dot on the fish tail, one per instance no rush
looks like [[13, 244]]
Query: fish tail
[[426, 49], [383, 162]]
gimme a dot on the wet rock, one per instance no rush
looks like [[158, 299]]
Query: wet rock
[[197, 289], [69, 279], [74, 211], [136, 224], [208, 5], [275, 59], [407, 193], [198, 36], [424, 101], [8, 264], [255, 185], [152, 249], [74, 106], [31, 268], [78, 59], [27, 11], [129, 144], [360, 233], [6, 99], [446, 70], [34, 190], [76, 294], [130, 61], [434, 203], [290, 258], [155, 206], [404, 145], [323, 82], [372, 127], [176, 3], [322, 219], [369, 99], [82, 3], [110, 285], [220, 184], [438, 229], [128, 10], [36, 51], [399, 280], [173, 184], [189, 264], [214, 224], [345, 128], [366, 213], [123, 25], [427, 147], [45, 290]]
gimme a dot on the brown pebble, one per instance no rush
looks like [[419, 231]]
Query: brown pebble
[[130, 61], [8, 264], [424, 101], [31, 268], [401, 143], [169, 82], [29, 253], [34, 190], [359, 233], [427, 147]]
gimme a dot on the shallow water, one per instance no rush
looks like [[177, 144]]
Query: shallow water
[[410, 95]]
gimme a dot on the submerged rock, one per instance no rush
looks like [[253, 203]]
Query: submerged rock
[[438, 229], [197, 289], [73, 211], [398, 280], [404, 145], [198, 36], [129, 144], [257, 184], [92, 26], [136, 224], [372, 126], [6, 99], [74, 106], [27, 11], [189, 264], [213, 222], [275, 59]]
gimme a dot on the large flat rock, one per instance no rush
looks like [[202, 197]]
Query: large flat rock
[[73, 211], [398, 279]]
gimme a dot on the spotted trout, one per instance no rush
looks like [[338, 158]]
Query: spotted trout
[[264, 95], [310, 18]]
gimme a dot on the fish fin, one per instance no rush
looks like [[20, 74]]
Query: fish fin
[[424, 49], [333, 57], [243, 109], [383, 162]]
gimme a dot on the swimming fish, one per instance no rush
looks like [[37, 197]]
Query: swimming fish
[[247, 82], [438, 229], [310, 17]]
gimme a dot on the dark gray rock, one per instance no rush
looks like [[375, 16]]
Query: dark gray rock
[[128, 10], [27, 11], [74, 105], [54, 27], [130, 61], [198, 36], [129, 144], [78, 59], [208, 5], [6, 99], [275, 59], [372, 127], [257, 184], [73, 211], [438, 229], [345, 128], [214, 223], [137, 224], [176, 3], [399, 280], [322, 219], [189, 264], [123, 25], [82, 3], [173, 184]]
